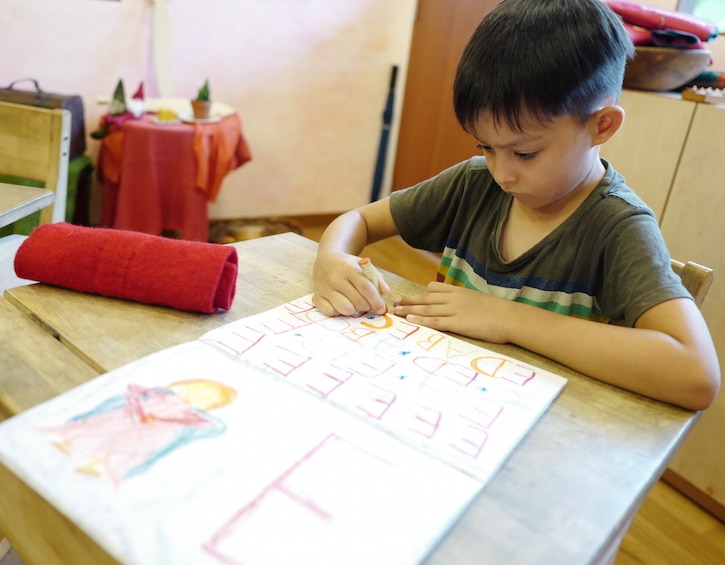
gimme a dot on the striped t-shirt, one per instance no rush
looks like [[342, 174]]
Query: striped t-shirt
[[607, 261]]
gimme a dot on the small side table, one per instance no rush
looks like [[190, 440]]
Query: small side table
[[159, 176]]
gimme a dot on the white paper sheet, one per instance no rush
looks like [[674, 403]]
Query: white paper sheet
[[466, 405], [205, 453]]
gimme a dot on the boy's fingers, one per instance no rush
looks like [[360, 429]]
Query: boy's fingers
[[383, 285]]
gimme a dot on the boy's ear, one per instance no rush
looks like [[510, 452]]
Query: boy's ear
[[606, 122]]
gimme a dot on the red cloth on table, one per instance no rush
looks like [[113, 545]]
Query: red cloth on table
[[160, 177], [186, 275], [218, 149]]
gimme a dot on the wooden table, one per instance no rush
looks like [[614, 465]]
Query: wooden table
[[18, 201], [565, 495]]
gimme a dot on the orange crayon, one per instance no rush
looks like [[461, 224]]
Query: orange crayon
[[371, 274], [369, 271]]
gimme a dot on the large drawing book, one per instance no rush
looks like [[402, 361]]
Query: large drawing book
[[284, 437]]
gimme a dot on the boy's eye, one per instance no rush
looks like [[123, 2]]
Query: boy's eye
[[524, 155]]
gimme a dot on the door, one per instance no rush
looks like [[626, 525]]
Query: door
[[430, 138]]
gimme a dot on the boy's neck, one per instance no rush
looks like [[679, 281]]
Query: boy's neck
[[524, 227]]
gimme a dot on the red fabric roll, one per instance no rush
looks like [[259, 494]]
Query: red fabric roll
[[187, 275]]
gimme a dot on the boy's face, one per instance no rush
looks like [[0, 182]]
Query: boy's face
[[545, 165]]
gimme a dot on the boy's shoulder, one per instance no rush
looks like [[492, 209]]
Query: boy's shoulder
[[478, 163], [613, 185]]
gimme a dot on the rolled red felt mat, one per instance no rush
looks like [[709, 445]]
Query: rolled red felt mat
[[187, 275]]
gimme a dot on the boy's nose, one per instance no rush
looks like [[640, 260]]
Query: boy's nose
[[503, 173]]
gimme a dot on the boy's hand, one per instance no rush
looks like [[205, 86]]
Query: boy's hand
[[342, 289], [456, 309]]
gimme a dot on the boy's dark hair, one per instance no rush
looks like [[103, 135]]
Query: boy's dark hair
[[548, 57]]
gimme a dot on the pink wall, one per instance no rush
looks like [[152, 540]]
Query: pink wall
[[309, 79]]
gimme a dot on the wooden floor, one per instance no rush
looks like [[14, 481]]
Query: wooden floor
[[669, 529]]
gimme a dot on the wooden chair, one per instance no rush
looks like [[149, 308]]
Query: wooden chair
[[696, 278], [35, 145]]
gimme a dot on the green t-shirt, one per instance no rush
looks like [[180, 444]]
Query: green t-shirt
[[607, 261]]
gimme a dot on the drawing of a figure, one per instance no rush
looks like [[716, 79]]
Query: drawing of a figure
[[126, 434]]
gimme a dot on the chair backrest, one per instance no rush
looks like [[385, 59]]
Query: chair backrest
[[35, 145], [696, 278]]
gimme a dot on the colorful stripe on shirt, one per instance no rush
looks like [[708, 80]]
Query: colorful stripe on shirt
[[457, 267]]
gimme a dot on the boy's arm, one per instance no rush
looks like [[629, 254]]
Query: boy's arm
[[340, 286], [668, 355]]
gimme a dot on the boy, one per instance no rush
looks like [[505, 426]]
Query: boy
[[541, 240]]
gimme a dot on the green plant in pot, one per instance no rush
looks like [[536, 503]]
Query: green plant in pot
[[201, 105]]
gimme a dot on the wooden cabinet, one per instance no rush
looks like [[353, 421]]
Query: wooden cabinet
[[672, 151], [647, 148], [694, 227]]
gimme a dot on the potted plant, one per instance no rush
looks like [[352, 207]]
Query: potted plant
[[201, 105]]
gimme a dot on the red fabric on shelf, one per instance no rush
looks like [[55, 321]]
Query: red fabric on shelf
[[652, 17], [186, 275]]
